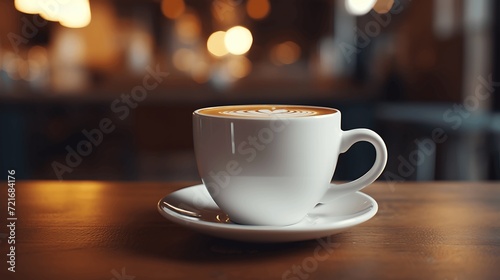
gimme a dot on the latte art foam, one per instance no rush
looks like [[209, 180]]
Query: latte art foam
[[266, 113]]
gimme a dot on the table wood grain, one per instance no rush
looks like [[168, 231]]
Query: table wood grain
[[112, 230]]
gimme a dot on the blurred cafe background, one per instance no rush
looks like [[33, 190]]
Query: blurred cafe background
[[104, 89]]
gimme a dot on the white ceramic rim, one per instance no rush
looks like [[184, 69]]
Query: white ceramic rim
[[230, 117]]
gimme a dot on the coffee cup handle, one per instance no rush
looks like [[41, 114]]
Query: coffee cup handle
[[348, 139]]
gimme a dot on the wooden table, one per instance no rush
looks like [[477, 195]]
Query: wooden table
[[112, 230]]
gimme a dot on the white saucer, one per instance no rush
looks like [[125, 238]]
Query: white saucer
[[194, 208]]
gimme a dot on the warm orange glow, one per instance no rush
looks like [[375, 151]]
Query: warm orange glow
[[23, 69], [37, 62], [383, 6], [238, 40], [258, 9], [215, 43], [80, 199], [188, 28], [226, 11], [105, 25], [239, 66], [183, 59], [285, 53], [200, 71], [172, 9], [39, 54]]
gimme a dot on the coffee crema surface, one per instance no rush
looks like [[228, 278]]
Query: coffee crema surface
[[266, 111]]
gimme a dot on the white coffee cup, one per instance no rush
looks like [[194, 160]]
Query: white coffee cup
[[272, 164]]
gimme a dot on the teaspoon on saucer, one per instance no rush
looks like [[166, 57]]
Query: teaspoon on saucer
[[199, 214]]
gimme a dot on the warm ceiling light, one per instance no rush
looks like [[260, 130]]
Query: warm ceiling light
[[215, 44], [75, 14], [238, 40], [27, 6], [258, 9], [172, 9], [359, 7], [49, 13]]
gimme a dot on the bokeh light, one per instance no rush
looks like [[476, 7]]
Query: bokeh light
[[383, 6], [39, 54], [238, 40], [200, 71], [215, 44], [75, 14], [49, 14], [183, 59], [258, 9], [72, 14], [23, 69], [27, 6], [238, 66], [285, 53], [226, 11], [359, 7], [172, 9], [188, 28], [11, 64]]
